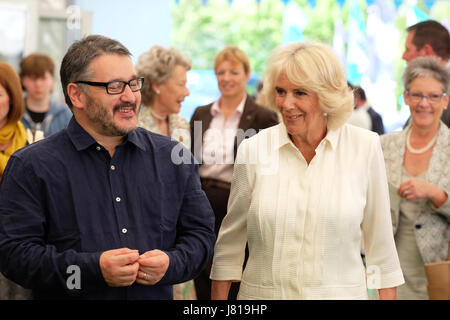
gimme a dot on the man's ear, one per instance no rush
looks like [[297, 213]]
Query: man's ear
[[76, 95], [428, 50]]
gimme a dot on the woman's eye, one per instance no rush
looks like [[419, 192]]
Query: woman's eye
[[279, 91], [300, 93]]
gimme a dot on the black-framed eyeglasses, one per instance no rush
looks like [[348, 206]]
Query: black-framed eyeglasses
[[432, 98], [117, 86]]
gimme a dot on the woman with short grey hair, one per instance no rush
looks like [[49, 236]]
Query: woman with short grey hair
[[165, 76], [416, 164]]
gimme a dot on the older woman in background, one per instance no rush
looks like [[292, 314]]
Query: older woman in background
[[217, 129], [164, 89], [13, 137], [304, 192], [417, 166], [164, 71]]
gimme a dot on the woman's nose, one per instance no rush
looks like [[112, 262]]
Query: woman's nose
[[288, 103], [424, 101]]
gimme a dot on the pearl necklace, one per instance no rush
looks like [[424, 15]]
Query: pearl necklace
[[422, 150], [157, 116]]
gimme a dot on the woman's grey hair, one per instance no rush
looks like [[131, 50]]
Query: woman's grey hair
[[314, 68], [157, 66], [427, 67], [76, 62]]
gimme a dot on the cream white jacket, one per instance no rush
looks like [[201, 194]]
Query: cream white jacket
[[304, 223]]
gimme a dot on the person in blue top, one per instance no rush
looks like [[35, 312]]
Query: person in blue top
[[103, 209], [41, 112]]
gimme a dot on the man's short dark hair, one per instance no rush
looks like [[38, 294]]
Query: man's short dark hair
[[360, 93], [75, 64], [433, 33], [36, 64]]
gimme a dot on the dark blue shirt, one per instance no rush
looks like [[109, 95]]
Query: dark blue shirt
[[64, 201]]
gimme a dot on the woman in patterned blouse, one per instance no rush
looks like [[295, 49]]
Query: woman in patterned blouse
[[164, 71]]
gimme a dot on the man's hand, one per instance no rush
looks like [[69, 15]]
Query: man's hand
[[119, 267], [152, 267]]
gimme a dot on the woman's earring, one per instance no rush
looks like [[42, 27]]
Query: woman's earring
[[157, 91], [325, 114]]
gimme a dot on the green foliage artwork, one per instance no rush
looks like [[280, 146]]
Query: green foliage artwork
[[202, 28]]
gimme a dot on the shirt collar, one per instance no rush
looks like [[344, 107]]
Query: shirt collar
[[79, 137], [330, 139], [83, 140], [136, 139], [365, 106], [215, 109]]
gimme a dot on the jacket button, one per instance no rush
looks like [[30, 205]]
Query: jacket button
[[418, 226]]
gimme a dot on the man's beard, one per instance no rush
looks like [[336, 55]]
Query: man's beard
[[100, 117]]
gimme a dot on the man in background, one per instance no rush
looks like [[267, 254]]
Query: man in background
[[376, 122], [42, 116]]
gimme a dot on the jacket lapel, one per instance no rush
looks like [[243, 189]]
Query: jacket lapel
[[396, 155], [206, 119], [248, 114], [201, 117], [246, 121], [438, 157]]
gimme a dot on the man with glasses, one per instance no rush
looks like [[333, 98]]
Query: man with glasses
[[99, 210], [424, 39]]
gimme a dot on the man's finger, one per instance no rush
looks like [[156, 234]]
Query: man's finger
[[156, 259], [129, 270], [126, 258], [152, 253], [120, 251]]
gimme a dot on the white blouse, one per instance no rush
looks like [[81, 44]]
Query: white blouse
[[304, 223]]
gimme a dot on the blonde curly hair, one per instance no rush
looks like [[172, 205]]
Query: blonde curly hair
[[314, 68], [157, 66]]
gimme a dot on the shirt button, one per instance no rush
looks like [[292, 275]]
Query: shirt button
[[118, 199], [418, 226], [98, 148], [124, 230], [113, 168]]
